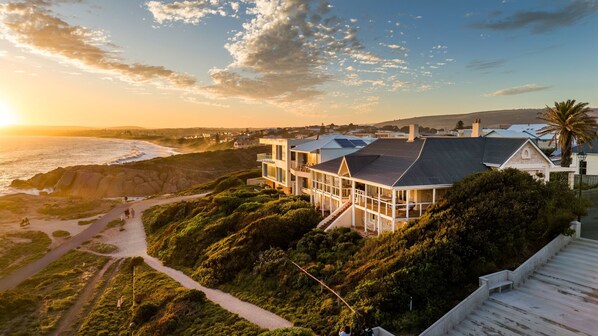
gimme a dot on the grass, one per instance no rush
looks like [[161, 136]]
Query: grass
[[35, 306], [23, 248], [162, 307], [86, 222], [114, 223], [61, 234], [103, 248], [74, 208]]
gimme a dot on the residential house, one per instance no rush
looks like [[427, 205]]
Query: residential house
[[391, 181], [288, 166]]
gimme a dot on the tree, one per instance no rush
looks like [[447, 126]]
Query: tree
[[568, 121], [459, 125]]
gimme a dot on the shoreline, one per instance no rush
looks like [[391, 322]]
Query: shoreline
[[149, 151]]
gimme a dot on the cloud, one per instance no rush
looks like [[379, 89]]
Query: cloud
[[543, 21], [518, 90], [477, 64], [32, 25], [282, 54], [191, 12]]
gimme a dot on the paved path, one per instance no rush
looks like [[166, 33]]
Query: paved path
[[132, 242], [248, 311], [15, 278]]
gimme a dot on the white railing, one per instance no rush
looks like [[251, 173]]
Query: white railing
[[302, 167], [416, 209], [329, 219], [494, 280], [264, 157]]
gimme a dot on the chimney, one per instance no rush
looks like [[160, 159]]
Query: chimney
[[476, 129], [413, 132]]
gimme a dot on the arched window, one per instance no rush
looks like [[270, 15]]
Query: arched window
[[526, 154]]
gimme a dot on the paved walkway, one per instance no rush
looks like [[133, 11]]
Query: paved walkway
[[132, 242], [15, 278]]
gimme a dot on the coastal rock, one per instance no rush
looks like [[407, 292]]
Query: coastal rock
[[143, 178]]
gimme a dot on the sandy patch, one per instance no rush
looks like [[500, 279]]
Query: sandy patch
[[19, 240], [47, 226]]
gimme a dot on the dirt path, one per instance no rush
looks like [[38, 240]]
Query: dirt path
[[69, 318]]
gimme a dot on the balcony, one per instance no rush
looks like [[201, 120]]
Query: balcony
[[300, 169], [403, 210], [264, 157]]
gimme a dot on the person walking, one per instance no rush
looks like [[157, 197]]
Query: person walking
[[132, 213], [346, 331]]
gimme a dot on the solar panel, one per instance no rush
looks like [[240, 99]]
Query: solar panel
[[358, 143], [344, 143]]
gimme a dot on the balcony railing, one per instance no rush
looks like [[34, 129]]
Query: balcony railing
[[384, 206], [264, 157], [302, 167]]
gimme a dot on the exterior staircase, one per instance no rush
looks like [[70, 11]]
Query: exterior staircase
[[328, 221], [558, 298]]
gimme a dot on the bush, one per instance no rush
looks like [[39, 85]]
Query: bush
[[61, 234], [145, 312], [289, 332]]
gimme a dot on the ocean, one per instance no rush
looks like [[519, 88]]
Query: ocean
[[21, 157]]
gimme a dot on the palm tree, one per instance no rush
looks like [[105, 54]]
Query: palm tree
[[568, 121]]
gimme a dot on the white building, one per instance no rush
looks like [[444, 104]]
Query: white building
[[382, 186], [288, 166]]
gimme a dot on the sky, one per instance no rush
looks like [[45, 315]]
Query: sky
[[265, 63]]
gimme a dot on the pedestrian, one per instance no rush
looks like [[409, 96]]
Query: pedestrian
[[346, 331], [132, 213], [127, 213], [122, 217]]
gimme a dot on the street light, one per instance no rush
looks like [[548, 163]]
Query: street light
[[581, 155]]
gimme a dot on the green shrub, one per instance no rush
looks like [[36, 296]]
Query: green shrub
[[145, 312], [289, 332], [61, 234]]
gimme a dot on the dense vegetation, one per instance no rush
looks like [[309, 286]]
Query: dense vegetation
[[487, 222], [216, 237], [161, 307], [35, 306], [20, 248]]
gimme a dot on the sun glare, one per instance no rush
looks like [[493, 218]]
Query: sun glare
[[7, 115]]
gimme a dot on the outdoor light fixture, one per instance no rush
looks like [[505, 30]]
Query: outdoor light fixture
[[581, 156]]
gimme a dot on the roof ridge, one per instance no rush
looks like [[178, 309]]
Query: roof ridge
[[421, 150]]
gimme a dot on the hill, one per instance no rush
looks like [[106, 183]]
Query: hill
[[143, 178], [492, 119]]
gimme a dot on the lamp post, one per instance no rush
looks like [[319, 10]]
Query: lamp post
[[581, 156]]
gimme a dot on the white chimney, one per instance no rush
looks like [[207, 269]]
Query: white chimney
[[413, 132], [476, 129]]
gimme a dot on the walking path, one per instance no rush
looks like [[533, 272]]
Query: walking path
[[15, 278], [132, 242], [65, 324]]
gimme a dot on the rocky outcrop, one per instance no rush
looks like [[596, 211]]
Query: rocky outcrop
[[144, 178]]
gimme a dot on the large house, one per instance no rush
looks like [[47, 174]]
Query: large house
[[288, 165], [382, 186]]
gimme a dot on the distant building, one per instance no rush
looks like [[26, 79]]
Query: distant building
[[245, 142]]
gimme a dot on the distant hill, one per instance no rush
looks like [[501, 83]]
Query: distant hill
[[492, 119]]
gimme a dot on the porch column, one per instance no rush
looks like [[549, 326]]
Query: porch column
[[394, 209], [365, 219], [353, 203], [378, 224], [433, 195], [297, 191], [407, 205]]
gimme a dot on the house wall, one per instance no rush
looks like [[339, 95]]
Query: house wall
[[592, 164], [535, 163]]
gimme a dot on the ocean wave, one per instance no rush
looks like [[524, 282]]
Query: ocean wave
[[134, 155]]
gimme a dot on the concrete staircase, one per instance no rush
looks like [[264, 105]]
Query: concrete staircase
[[559, 298]]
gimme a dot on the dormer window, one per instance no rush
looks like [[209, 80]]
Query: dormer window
[[526, 154]]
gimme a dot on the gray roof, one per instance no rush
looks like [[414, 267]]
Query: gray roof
[[331, 141], [427, 161]]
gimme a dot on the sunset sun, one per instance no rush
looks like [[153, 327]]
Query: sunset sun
[[7, 115]]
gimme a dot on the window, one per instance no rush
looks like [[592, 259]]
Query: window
[[526, 154]]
